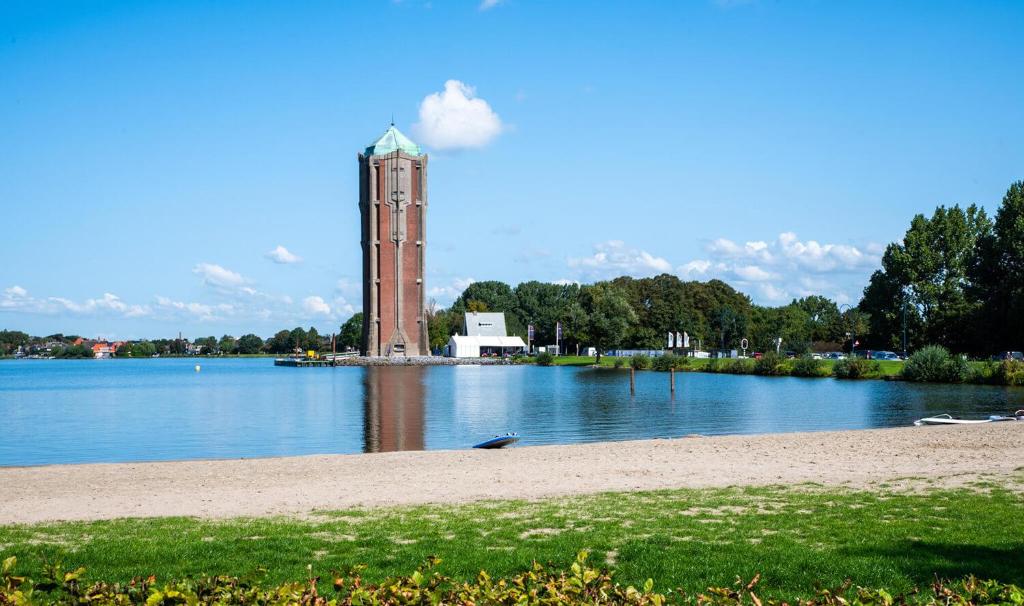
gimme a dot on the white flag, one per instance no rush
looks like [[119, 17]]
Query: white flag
[[671, 340], [686, 339]]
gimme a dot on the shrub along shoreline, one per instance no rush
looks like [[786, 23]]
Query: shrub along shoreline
[[929, 365]]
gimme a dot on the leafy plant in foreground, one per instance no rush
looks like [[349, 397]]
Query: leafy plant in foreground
[[581, 585]]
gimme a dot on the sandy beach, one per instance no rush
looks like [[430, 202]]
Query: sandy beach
[[299, 485]]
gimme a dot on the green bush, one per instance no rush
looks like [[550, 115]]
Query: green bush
[[640, 362], [618, 363], [731, 366], [807, 366], [669, 362], [934, 364], [1009, 372], [581, 585], [770, 364], [545, 358], [854, 368]]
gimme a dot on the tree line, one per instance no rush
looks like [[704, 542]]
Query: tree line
[[956, 279]]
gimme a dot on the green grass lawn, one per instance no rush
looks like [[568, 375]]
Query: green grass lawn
[[796, 537]]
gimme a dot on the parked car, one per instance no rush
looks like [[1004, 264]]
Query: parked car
[[885, 355], [835, 355], [1009, 355]]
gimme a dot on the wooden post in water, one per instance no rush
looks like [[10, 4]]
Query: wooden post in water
[[672, 381], [632, 381]]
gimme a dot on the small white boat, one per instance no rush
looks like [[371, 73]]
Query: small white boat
[[1017, 416], [945, 419]]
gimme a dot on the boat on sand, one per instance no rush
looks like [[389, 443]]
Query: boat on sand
[[499, 441], [946, 419]]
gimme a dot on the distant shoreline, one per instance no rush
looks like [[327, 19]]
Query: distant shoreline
[[913, 457]]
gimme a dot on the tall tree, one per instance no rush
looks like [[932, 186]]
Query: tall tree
[[350, 335], [929, 271], [493, 296], [250, 344], [608, 316], [999, 274]]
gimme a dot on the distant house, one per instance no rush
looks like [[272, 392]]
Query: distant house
[[486, 335], [103, 349]]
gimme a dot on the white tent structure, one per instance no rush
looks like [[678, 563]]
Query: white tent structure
[[460, 346], [485, 336]]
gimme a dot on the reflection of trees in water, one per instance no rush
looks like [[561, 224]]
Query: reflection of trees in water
[[394, 400]]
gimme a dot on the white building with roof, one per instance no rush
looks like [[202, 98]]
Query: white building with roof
[[486, 335]]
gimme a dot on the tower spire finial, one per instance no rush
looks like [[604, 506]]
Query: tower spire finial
[[392, 118]]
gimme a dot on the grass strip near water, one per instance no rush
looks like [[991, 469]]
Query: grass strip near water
[[886, 368], [797, 538]]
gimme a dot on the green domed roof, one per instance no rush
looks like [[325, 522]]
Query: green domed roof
[[393, 140]]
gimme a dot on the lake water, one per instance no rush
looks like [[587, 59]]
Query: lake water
[[78, 411]]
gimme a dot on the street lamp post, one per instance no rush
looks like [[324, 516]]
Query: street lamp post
[[853, 330]]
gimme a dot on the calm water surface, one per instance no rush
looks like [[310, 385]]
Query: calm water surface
[[77, 411]]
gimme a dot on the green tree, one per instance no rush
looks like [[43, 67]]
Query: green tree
[[493, 296], [75, 351], [929, 271], [350, 335], [311, 341], [227, 345], [998, 275], [249, 344], [543, 305], [822, 318], [208, 345], [608, 316], [11, 340], [281, 342], [143, 349]]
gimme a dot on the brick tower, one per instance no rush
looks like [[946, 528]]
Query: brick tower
[[393, 208]]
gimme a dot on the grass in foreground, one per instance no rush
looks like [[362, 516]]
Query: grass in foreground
[[795, 537]]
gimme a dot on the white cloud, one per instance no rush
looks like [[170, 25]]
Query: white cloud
[[199, 311], [215, 275], [342, 307], [282, 255], [17, 299], [445, 295], [489, 4], [456, 119], [613, 258], [694, 269], [316, 305], [786, 268], [753, 273]]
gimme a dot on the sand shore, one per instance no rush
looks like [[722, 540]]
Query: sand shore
[[298, 485]]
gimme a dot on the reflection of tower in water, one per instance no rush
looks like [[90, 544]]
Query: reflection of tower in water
[[393, 408]]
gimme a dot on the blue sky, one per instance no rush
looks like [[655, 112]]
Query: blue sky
[[191, 166]]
